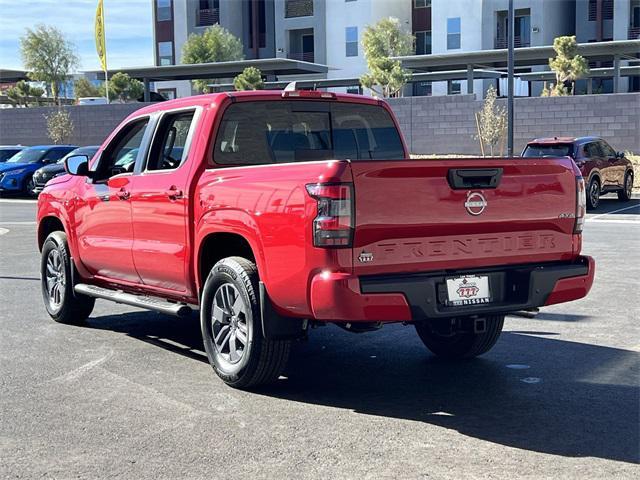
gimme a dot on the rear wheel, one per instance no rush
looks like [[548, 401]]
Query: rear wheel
[[625, 193], [593, 194], [231, 327], [62, 304], [461, 344]]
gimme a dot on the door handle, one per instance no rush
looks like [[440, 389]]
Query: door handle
[[123, 194], [174, 193]]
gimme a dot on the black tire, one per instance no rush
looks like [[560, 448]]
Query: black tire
[[461, 345], [627, 188], [62, 305], [29, 185], [593, 194], [259, 361]]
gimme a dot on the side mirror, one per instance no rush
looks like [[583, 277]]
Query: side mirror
[[77, 165], [47, 161], [619, 154]]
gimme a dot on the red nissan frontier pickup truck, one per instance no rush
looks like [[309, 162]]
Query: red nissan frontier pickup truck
[[271, 212]]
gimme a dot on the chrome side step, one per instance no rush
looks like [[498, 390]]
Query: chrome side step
[[142, 301]]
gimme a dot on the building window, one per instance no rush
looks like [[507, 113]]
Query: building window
[[298, 8], [168, 93], [208, 13], [353, 90], [454, 87], [422, 89], [453, 33], [351, 38], [423, 43], [163, 10], [607, 10], [522, 34], [165, 53], [421, 3]]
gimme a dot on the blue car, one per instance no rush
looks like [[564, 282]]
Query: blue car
[[16, 174]]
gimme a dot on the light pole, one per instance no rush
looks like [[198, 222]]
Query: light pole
[[511, 45]]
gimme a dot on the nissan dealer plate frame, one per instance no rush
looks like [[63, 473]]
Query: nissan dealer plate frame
[[468, 290]]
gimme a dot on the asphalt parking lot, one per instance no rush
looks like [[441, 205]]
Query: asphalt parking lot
[[131, 395]]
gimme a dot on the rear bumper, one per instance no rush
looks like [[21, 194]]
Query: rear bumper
[[392, 298]]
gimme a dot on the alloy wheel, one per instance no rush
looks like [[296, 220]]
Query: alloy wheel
[[55, 279], [229, 323]]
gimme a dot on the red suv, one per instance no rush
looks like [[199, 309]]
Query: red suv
[[604, 169]]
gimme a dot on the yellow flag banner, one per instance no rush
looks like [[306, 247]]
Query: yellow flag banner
[[100, 42]]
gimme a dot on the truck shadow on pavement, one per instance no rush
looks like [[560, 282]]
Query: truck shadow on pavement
[[530, 392], [611, 203]]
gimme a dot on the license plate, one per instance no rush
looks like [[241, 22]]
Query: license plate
[[468, 290]]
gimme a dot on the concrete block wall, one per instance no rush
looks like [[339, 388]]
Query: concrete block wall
[[446, 124], [431, 125], [92, 123]]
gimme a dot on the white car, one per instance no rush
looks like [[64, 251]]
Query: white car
[[92, 101]]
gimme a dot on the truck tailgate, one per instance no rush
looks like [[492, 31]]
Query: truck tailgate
[[409, 217]]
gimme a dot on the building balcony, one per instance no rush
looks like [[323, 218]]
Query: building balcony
[[207, 17], [298, 8], [302, 56], [634, 33], [503, 42]]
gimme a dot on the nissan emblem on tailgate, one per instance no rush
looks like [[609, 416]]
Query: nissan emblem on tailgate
[[476, 203]]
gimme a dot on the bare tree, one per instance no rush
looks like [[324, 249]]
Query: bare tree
[[491, 121]]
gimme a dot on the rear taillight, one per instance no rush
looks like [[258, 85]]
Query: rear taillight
[[581, 205], [333, 226]]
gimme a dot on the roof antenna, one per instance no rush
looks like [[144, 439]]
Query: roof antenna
[[291, 87]]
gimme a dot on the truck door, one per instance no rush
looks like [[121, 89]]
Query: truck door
[[159, 202], [103, 213]]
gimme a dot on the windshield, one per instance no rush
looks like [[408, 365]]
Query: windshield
[[558, 150], [29, 155]]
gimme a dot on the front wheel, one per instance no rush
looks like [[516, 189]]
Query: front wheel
[[62, 304], [231, 327], [593, 194], [29, 185], [461, 344], [625, 193]]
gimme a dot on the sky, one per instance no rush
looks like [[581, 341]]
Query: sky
[[128, 29]]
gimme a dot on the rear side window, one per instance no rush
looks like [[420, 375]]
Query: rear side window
[[170, 144], [592, 150], [254, 133], [560, 150]]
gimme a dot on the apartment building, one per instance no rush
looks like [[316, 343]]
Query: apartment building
[[605, 20], [330, 31], [252, 21]]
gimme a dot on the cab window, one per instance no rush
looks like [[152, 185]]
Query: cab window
[[121, 154], [169, 148], [265, 132]]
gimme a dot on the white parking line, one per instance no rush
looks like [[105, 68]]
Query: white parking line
[[613, 211], [604, 220], [3, 231], [17, 200]]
